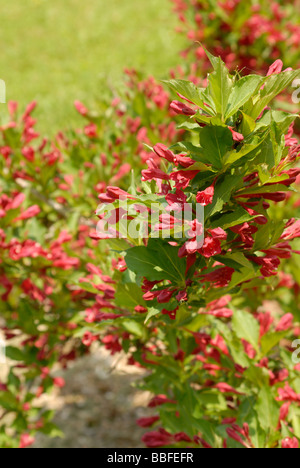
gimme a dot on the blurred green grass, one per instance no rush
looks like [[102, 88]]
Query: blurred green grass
[[56, 51]]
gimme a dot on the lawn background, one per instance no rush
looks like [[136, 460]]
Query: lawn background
[[56, 51]]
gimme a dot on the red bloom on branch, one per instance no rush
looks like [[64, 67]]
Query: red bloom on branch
[[80, 108], [210, 247], [164, 296], [159, 438], [163, 152], [147, 422], [275, 68], [153, 172], [238, 137], [26, 441], [292, 231], [159, 400], [91, 130], [206, 197], [182, 178], [290, 443], [176, 201], [29, 213], [286, 322], [180, 108]]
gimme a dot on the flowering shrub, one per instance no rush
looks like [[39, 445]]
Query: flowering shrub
[[197, 315], [250, 35], [212, 320]]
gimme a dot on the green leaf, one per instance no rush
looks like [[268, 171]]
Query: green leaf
[[215, 142], [248, 149], [275, 84], [222, 195], [227, 220], [219, 87], [129, 295], [248, 125], [195, 152], [246, 327], [15, 354], [273, 147], [270, 340], [259, 376], [52, 431], [188, 90], [242, 91], [234, 260], [157, 262], [239, 277], [8, 401], [134, 327], [152, 312], [267, 410], [282, 119]]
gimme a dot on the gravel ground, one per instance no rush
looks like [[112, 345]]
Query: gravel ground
[[98, 407]]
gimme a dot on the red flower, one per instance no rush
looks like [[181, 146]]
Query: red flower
[[159, 400], [80, 108], [12, 108], [218, 233], [147, 422], [28, 153], [180, 108], [206, 197], [290, 443], [88, 339], [17, 201], [287, 394], [91, 130], [164, 296], [159, 438], [153, 172], [59, 382], [182, 437], [123, 171], [112, 343], [184, 161], [269, 264], [170, 313], [26, 441], [140, 309], [285, 323], [176, 200], [210, 247], [292, 231], [29, 109], [220, 313], [163, 152], [183, 178], [223, 387], [235, 436], [284, 411], [221, 277], [236, 136], [29, 213], [265, 320], [275, 68]]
